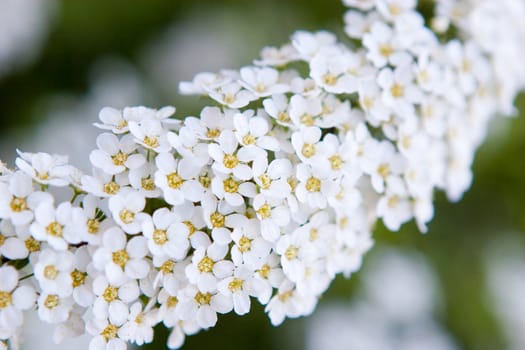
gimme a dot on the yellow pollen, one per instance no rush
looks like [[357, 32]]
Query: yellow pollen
[[203, 299], [313, 184], [264, 271], [336, 162], [5, 299], [314, 234], [307, 120], [122, 124], [50, 272], [205, 181], [265, 181], [249, 139], [205, 265], [230, 185], [293, 183], [109, 332], [42, 175], [119, 158], [229, 98], [217, 219], [397, 90], [151, 141], [18, 204], [172, 302], [2, 239], [51, 301], [343, 222], [265, 211], [383, 170], [32, 245], [190, 227], [147, 183], [111, 188], [167, 266], [160, 237], [230, 161], [120, 257], [235, 285], [126, 216], [54, 229], [78, 278], [283, 297], [466, 66], [110, 293], [386, 50], [291, 252], [393, 201], [406, 141], [245, 244], [93, 226], [308, 150], [283, 117], [394, 10], [330, 79], [260, 88], [213, 133], [174, 180]]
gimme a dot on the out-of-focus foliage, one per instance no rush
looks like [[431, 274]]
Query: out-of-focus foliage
[[459, 236]]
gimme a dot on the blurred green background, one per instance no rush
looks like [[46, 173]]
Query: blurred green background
[[150, 45]]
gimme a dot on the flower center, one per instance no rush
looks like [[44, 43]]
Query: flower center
[[120, 257], [167, 266], [386, 50], [174, 180], [213, 133], [383, 170], [78, 278], [336, 162], [50, 272], [205, 265], [230, 161], [264, 271], [111, 188], [54, 229], [172, 302], [110, 293], [51, 301], [249, 139], [151, 141], [18, 204], [32, 245], [265, 211], [203, 298], [147, 183], [5, 299], [230, 185], [265, 181], [308, 150], [126, 216], [217, 219], [93, 226], [313, 184], [109, 332], [330, 79], [245, 244], [119, 158], [160, 237], [235, 285], [291, 252], [397, 90]]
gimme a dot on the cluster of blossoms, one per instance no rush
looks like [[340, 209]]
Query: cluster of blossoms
[[268, 195]]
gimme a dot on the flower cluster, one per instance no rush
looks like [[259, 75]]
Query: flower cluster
[[269, 194]]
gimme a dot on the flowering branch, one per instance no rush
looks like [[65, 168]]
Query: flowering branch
[[271, 194]]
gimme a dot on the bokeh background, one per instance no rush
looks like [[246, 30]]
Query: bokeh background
[[461, 286]]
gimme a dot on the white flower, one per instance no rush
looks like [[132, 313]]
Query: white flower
[[53, 272], [262, 82], [277, 108], [13, 299], [253, 130], [394, 207], [240, 287], [383, 47], [392, 9], [126, 209], [44, 168], [114, 156], [277, 56], [288, 303], [54, 225], [121, 259], [12, 241], [313, 190], [232, 95], [105, 335], [208, 266], [273, 182], [228, 159], [208, 127], [399, 92], [305, 142], [102, 184], [177, 179], [250, 248], [233, 191], [88, 220], [54, 309], [202, 307], [139, 327], [112, 119], [331, 69], [308, 44], [14, 197], [150, 134], [304, 111], [273, 214], [113, 299], [166, 235]]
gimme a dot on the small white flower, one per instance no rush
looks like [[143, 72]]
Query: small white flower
[[253, 130], [240, 287], [232, 95], [139, 327], [53, 272], [14, 197], [394, 207], [105, 335], [312, 189], [44, 168], [54, 225], [208, 266], [262, 82], [113, 299], [54, 309], [126, 209], [202, 307], [150, 134], [114, 156]]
